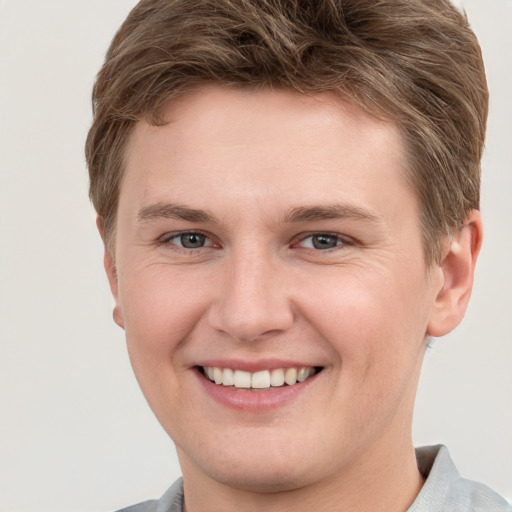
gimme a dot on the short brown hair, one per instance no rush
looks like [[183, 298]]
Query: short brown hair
[[416, 62]]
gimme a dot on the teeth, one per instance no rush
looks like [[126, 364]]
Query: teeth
[[217, 375], [290, 377], [303, 374], [258, 380], [242, 379], [277, 377], [228, 377]]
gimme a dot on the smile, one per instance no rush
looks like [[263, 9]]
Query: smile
[[263, 379]]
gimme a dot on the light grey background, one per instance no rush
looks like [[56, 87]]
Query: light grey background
[[75, 432]]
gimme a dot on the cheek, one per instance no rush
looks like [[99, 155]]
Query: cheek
[[377, 332], [375, 322], [161, 305]]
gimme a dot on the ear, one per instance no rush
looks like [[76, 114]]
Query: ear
[[457, 269], [111, 271]]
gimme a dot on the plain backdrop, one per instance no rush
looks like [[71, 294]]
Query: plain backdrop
[[75, 432]]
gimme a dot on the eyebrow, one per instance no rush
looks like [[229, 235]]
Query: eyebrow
[[174, 211], [334, 211], [294, 215]]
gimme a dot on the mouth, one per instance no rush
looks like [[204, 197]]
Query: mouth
[[260, 380]]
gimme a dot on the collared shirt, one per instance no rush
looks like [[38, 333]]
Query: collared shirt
[[444, 490]]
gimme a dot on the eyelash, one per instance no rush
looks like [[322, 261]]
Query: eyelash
[[341, 241], [167, 240]]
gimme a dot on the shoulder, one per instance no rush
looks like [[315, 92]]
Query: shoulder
[[146, 506], [171, 501], [446, 491]]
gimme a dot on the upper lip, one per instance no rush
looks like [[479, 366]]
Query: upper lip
[[255, 365]]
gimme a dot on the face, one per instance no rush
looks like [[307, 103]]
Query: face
[[265, 237]]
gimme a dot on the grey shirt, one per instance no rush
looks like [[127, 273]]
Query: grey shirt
[[444, 490]]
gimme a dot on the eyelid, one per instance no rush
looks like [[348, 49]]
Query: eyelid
[[343, 240], [166, 238]]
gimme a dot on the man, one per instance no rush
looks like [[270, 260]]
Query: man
[[288, 195]]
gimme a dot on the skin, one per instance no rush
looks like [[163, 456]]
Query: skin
[[259, 289]]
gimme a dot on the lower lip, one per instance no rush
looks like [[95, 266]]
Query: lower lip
[[254, 400]]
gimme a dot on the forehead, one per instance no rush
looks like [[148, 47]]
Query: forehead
[[243, 144]]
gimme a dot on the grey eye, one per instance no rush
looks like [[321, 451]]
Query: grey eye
[[191, 240], [324, 241]]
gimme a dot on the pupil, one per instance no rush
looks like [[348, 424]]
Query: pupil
[[324, 241], [192, 240]]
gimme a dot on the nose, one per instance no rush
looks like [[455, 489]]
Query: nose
[[252, 300]]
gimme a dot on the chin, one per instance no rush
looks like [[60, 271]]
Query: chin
[[267, 479], [263, 464]]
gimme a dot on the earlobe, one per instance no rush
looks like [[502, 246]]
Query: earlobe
[[457, 268], [110, 269]]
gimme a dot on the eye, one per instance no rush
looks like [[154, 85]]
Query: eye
[[188, 240], [322, 241]]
